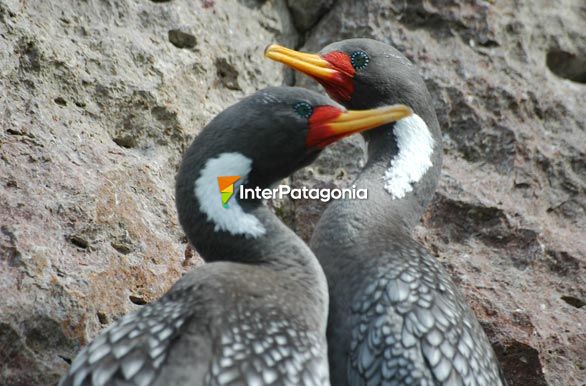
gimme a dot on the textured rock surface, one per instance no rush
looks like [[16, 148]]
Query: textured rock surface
[[99, 98], [96, 106]]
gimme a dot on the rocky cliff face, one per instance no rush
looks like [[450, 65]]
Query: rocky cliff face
[[99, 98]]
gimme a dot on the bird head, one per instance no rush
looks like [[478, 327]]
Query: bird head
[[281, 129], [257, 142], [357, 73]]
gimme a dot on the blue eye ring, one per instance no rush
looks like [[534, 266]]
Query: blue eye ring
[[359, 60], [303, 109]]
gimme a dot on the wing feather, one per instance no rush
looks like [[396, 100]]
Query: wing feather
[[411, 326], [131, 351]]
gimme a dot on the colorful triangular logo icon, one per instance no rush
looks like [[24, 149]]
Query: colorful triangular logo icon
[[226, 185]]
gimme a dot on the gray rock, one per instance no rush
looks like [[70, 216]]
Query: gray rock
[[182, 39]]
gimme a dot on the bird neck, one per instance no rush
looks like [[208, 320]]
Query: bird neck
[[277, 246], [401, 172], [244, 231], [400, 175], [278, 249]]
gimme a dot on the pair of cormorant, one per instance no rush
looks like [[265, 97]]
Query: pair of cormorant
[[256, 313]]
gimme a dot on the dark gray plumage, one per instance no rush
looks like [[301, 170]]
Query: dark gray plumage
[[254, 316], [395, 316]]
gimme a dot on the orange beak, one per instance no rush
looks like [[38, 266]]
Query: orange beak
[[310, 64], [338, 83], [329, 124]]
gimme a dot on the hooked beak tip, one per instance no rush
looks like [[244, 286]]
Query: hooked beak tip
[[267, 49]]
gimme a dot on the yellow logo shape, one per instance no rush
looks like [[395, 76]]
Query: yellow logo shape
[[226, 184]]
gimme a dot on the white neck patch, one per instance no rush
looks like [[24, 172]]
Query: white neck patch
[[415, 145], [231, 219]]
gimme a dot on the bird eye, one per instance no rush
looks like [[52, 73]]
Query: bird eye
[[359, 59], [304, 109]]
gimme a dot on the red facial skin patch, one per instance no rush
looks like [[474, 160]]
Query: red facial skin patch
[[320, 133], [341, 61], [339, 86]]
